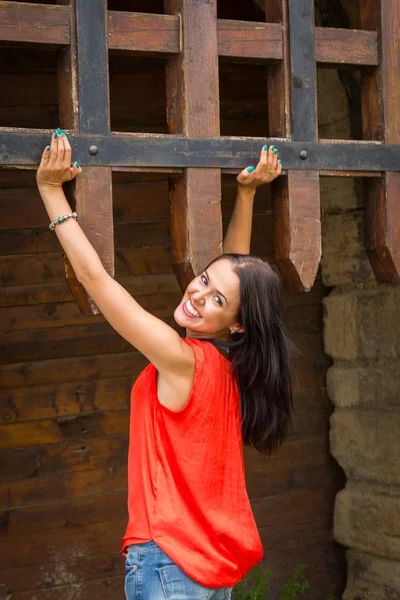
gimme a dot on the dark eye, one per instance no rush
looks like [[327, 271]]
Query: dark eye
[[218, 300], [204, 279]]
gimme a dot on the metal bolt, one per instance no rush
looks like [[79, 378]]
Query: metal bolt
[[303, 154], [93, 150]]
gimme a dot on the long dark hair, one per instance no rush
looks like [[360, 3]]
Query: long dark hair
[[261, 355]]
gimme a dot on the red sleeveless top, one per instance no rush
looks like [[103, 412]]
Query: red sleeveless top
[[186, 481]]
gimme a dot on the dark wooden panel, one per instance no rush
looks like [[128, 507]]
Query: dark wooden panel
[[143, 32], [225, 152], [346, 46], [303, 71], [32, 23], [246, 39], [193, 110]]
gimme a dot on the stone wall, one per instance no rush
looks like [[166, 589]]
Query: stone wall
[[362, 335]]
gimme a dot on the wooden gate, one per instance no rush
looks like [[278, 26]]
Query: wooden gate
[[193, 153]]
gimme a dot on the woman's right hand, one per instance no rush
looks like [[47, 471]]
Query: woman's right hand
[[268, 169], [55, 167]]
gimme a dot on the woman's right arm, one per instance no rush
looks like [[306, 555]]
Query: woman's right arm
[[238, 235]]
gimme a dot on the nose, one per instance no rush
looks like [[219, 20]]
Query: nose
[[199, 297]]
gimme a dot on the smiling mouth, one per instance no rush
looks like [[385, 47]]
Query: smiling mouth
[[190, 310]]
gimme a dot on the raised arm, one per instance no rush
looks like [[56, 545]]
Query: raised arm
[[155, 339], [238, 234]]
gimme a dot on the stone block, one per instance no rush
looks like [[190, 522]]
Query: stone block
[[364, 386], [363, 324], [344, 259], [367, 445], [367, 519], [371, 578], [339, 194]]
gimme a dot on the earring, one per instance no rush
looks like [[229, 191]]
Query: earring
[[233, 332]]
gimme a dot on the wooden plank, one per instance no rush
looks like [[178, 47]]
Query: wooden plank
[[381, 121], [68, 399], [52, 431], [21, 463], [81, 568], [65, 314], [17, 149], [71, 369], [86, 540], [247, 39], [140, 32], [28, 269], [92, 339], [346, 46], [139, 285], [106, 589], [297, 229], [193, 110], [33, 23]]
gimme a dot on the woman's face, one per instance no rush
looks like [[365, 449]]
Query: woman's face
[[210, 303]]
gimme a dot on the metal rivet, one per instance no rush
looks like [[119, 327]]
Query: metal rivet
[[93, 150], [303, 154]]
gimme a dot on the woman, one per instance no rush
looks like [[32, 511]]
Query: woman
[[191, 533]]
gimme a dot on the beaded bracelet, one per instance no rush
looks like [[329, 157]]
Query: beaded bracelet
[[60, 220]]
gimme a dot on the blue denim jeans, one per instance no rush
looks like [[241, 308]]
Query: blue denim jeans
[[151, 575]]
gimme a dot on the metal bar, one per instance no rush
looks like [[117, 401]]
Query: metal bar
[[225, 152], [92, 67], [303, 70]]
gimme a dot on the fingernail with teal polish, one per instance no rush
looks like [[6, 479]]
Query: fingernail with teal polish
[[48, 148], [280, 161], [55, 135], [63, 134], [78, 166], [276, 151], [272, 148], [59, 131], [265, 148], [250, 169]]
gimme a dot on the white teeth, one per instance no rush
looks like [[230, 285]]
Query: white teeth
[[191, 310]]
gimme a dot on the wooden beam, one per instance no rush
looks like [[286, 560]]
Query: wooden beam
[[139, 32], [346, 46], [193, 110], [292, 109], [91, 193], [381, 121], [34, 23], [246, 39]]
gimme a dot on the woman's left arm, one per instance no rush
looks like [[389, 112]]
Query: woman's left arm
[[160, 343], [238, 235]]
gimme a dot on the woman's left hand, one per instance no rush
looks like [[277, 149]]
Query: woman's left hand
[[55, 167], [268, 169]]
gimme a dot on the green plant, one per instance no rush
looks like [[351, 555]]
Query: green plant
[[257, 586], [297, 584]]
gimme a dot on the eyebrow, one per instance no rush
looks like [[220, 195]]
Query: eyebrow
[[218, 292]]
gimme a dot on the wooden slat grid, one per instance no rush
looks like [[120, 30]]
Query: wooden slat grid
[[192, 38]]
